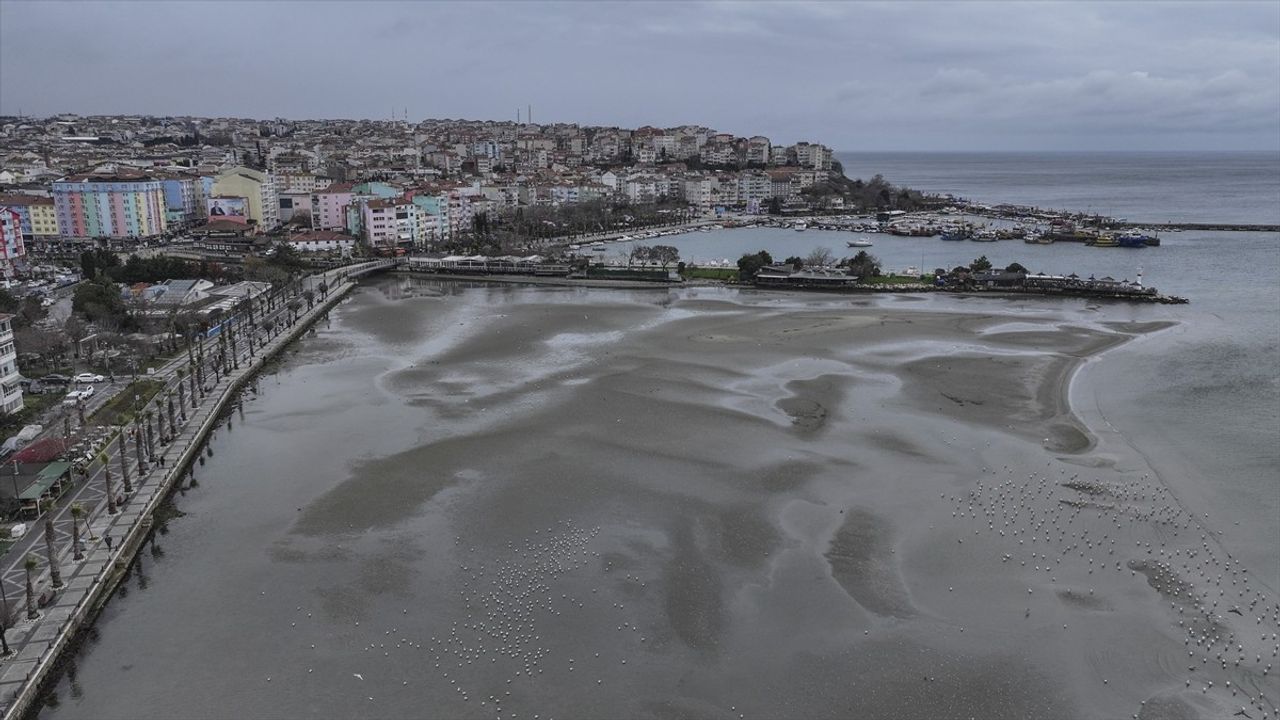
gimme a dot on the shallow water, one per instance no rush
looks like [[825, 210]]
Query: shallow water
[[648, 503]]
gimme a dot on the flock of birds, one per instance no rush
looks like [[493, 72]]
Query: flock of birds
[[494, 658], [1228, 621]]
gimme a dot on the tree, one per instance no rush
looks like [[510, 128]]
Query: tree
[[794, 261], [982, 264], [775, 206], [55, 573], [819, 257], [1015, 268], [30, 565], [77, 512], [122, 453], [106, 479], [864, 265], [750, 264], [664, 255], [99, 301]]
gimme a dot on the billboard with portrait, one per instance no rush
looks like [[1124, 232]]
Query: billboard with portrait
[[229, 208]]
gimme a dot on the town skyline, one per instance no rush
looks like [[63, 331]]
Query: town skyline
[[864, 77]]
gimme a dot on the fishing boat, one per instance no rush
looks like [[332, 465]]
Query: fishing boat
[[859, 243], [1132, 239], [1105, 241], [984, 235], [957, 234], [800, 227]]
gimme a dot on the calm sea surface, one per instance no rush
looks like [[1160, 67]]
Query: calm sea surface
[[1153, 187], [210, 603]]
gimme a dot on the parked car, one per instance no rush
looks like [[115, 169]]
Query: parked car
[[89, 378], [56, 379]]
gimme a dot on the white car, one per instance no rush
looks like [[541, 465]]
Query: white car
[[75, 397], [88, 378]]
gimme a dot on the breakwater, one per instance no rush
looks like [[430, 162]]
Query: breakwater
[[88, 583]]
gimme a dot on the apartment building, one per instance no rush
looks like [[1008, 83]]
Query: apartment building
[[115, 204], [10, 389]]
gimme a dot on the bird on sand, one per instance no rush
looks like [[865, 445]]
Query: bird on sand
[[357, 676]]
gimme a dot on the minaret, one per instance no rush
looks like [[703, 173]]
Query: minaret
[[1139, 276]]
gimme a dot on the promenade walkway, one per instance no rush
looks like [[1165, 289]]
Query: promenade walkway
[[109, 541]]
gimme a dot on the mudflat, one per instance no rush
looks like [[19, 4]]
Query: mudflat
[[563, 502]]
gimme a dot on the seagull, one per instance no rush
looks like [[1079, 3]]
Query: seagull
[[357, 676]]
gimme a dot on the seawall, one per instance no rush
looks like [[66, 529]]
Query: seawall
[[95, 592]]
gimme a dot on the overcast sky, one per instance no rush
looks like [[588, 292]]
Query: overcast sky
[[856, 76]]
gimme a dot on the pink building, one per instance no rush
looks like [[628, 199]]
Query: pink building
[[329, 206], [11, 247]]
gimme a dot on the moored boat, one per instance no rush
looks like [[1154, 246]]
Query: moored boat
[[860, 243]]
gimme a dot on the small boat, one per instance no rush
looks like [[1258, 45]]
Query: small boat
[[1132, 239], [1105, 241], [859, 243], [800, 227], [953, 235]]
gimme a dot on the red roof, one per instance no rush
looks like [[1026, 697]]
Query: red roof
[[42, 451]]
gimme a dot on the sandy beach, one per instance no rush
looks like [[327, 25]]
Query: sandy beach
[[722, 504]]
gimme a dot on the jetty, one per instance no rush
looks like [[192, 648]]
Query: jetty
[[120, 492]]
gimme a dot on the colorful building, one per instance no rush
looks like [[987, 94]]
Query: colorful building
[[13, 250], [185, 198], [120, 204], [38, 219], [257, 187]]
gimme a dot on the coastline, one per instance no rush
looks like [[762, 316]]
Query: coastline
[[79, 603], [781, 471]]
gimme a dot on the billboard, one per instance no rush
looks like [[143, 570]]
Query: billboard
[[235, 209]]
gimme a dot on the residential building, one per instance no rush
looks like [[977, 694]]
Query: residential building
[[117, 204], [36, 214], [10, 389], [329, 206], [13, 250], [759, 150], [392, 222], [185, 200], [257, 188]]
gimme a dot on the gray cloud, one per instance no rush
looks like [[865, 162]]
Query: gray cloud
[[854, 75]]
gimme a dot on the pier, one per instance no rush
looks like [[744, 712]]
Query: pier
[[111, 540]]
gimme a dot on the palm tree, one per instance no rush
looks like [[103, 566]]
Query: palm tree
[[77, 512], [151, 437], [310, 296], [182, 396], [122, 452], [30, 565], [111, 490], [55, 573], [80, 411], [139, 438], [173, 427]]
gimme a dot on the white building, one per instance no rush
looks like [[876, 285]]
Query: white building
[[10, 390]]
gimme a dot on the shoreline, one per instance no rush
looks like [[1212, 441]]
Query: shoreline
[[101, 589], [811, 504]]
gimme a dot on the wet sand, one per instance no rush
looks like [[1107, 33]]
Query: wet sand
[[561, 502]]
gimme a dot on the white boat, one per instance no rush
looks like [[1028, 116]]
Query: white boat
[[860, 243], [800, 227]]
